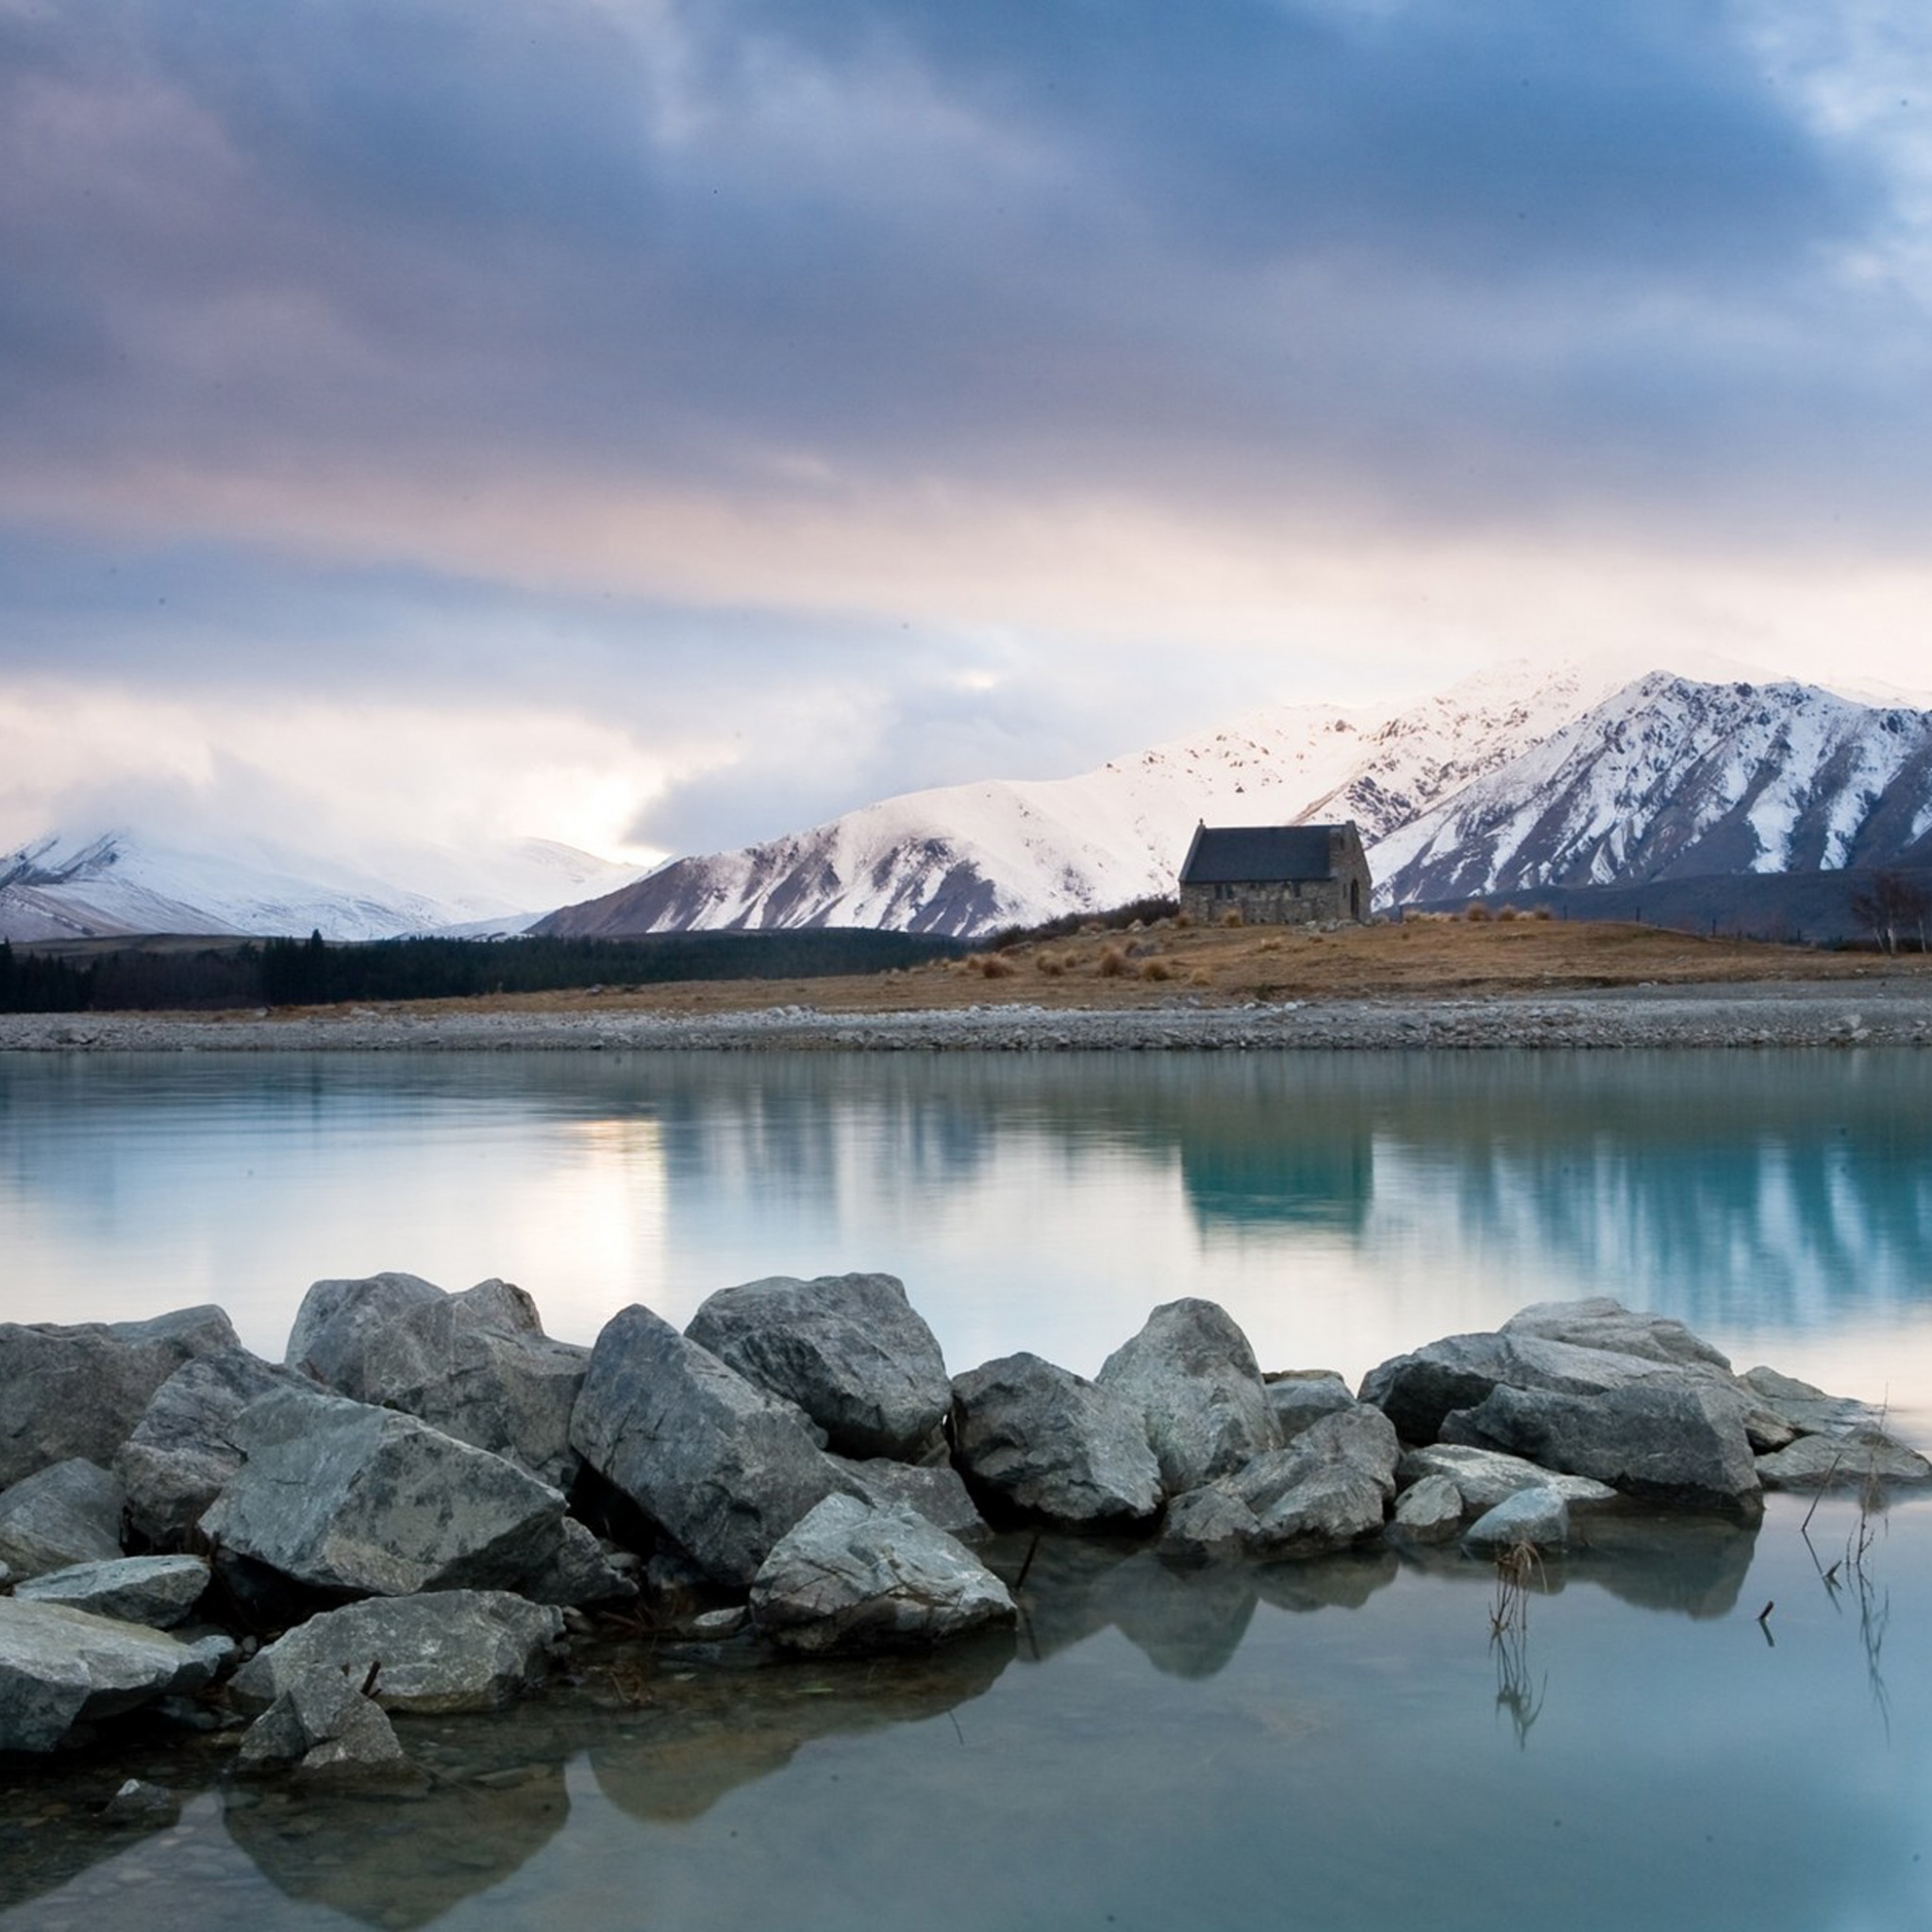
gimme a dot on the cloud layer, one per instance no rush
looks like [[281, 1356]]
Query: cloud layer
[[814, 402]]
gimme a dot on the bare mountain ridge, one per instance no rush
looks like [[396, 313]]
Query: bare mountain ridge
[[1513, 780]]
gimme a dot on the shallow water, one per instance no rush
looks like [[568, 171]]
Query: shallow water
[[1333, 1745]]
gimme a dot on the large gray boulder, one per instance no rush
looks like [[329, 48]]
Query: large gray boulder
[[59, 1516], [1049, 1442], [1194, 1378], [1603, 1323], [848, 1349], [155, 1590], [724, 1467], [1299, 1398], [337, 1320], [182, 1452], [340, 1496], [1428, 1511], [324, 1731], [1808, 1410], [940, 1494], [68, 1392], [453, 1651], [853, 1578], [1327, 1490], [1418, 1390], [1670, 1439], [1537, 1517], [61, 1667], [1486, 1477], [1847, 1461], [475, 1365]]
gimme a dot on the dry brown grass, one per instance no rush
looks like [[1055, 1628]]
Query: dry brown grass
[[1418, 960]]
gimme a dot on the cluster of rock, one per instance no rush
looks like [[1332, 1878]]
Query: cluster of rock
[[426, 1484]]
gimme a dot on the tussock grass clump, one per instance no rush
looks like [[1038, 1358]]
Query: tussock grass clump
[[1508, 912], [1155, 968], [1183, 920], [995, 966], [1046, 964], [1232, 917], [1476, 912], [1112, 963]]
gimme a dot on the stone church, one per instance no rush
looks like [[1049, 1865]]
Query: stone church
[[1275, 874]]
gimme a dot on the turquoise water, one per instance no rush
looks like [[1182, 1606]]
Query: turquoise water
[[1328, 1746]]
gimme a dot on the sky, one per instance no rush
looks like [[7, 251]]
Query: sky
[[661, 426]]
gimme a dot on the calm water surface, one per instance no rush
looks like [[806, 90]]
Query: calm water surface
[[1324, 1745]]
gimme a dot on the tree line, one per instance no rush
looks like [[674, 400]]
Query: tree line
[[313, 972]]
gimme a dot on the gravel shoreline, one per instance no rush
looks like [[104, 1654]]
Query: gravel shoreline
[[1874, 1012]]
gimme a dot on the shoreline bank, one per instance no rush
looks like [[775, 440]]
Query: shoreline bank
[[1881, 1011]]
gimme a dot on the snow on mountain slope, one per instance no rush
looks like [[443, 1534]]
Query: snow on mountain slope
[[968, 859], [1669, 778], [116, 883]]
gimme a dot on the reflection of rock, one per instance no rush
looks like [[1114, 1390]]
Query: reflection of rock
[[700, 1740], [1185, 1622], [401, 1864], [1343, 1582]]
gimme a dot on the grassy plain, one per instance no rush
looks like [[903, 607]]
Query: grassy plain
[[1166, 964]]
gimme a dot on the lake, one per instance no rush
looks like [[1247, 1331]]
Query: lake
[[1332, 1744]]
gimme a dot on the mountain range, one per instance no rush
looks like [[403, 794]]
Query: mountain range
[[1514, 779], [1520, 780]]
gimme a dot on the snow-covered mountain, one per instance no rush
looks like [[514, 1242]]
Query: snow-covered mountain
[[968, 859], [1669, 779], [116, 883], [1516, 778]]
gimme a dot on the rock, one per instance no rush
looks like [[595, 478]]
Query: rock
[[853, 1578], [1428, 1511], [1600, 1321], [1325, 1491], [719, 1626], [475, 1365], [61, 1667], [1194, 1377], [65, 1514], [939, 1494], [149, 1808], [1669, 1439], [336, 1318], [723, 1466], [324, 1730], [451, 1651], [78, 1392], [155, 1590], [1848, 1462], [1417, 1390], [340, 1496], [1486, 1476], [848, 1349], [1806, 1411], [1054, 1444], [181, 1454], [579, 1573], [1540, 1516], [1301, 1397]]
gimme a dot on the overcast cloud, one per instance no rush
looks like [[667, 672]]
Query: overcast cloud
[[766, 407]]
